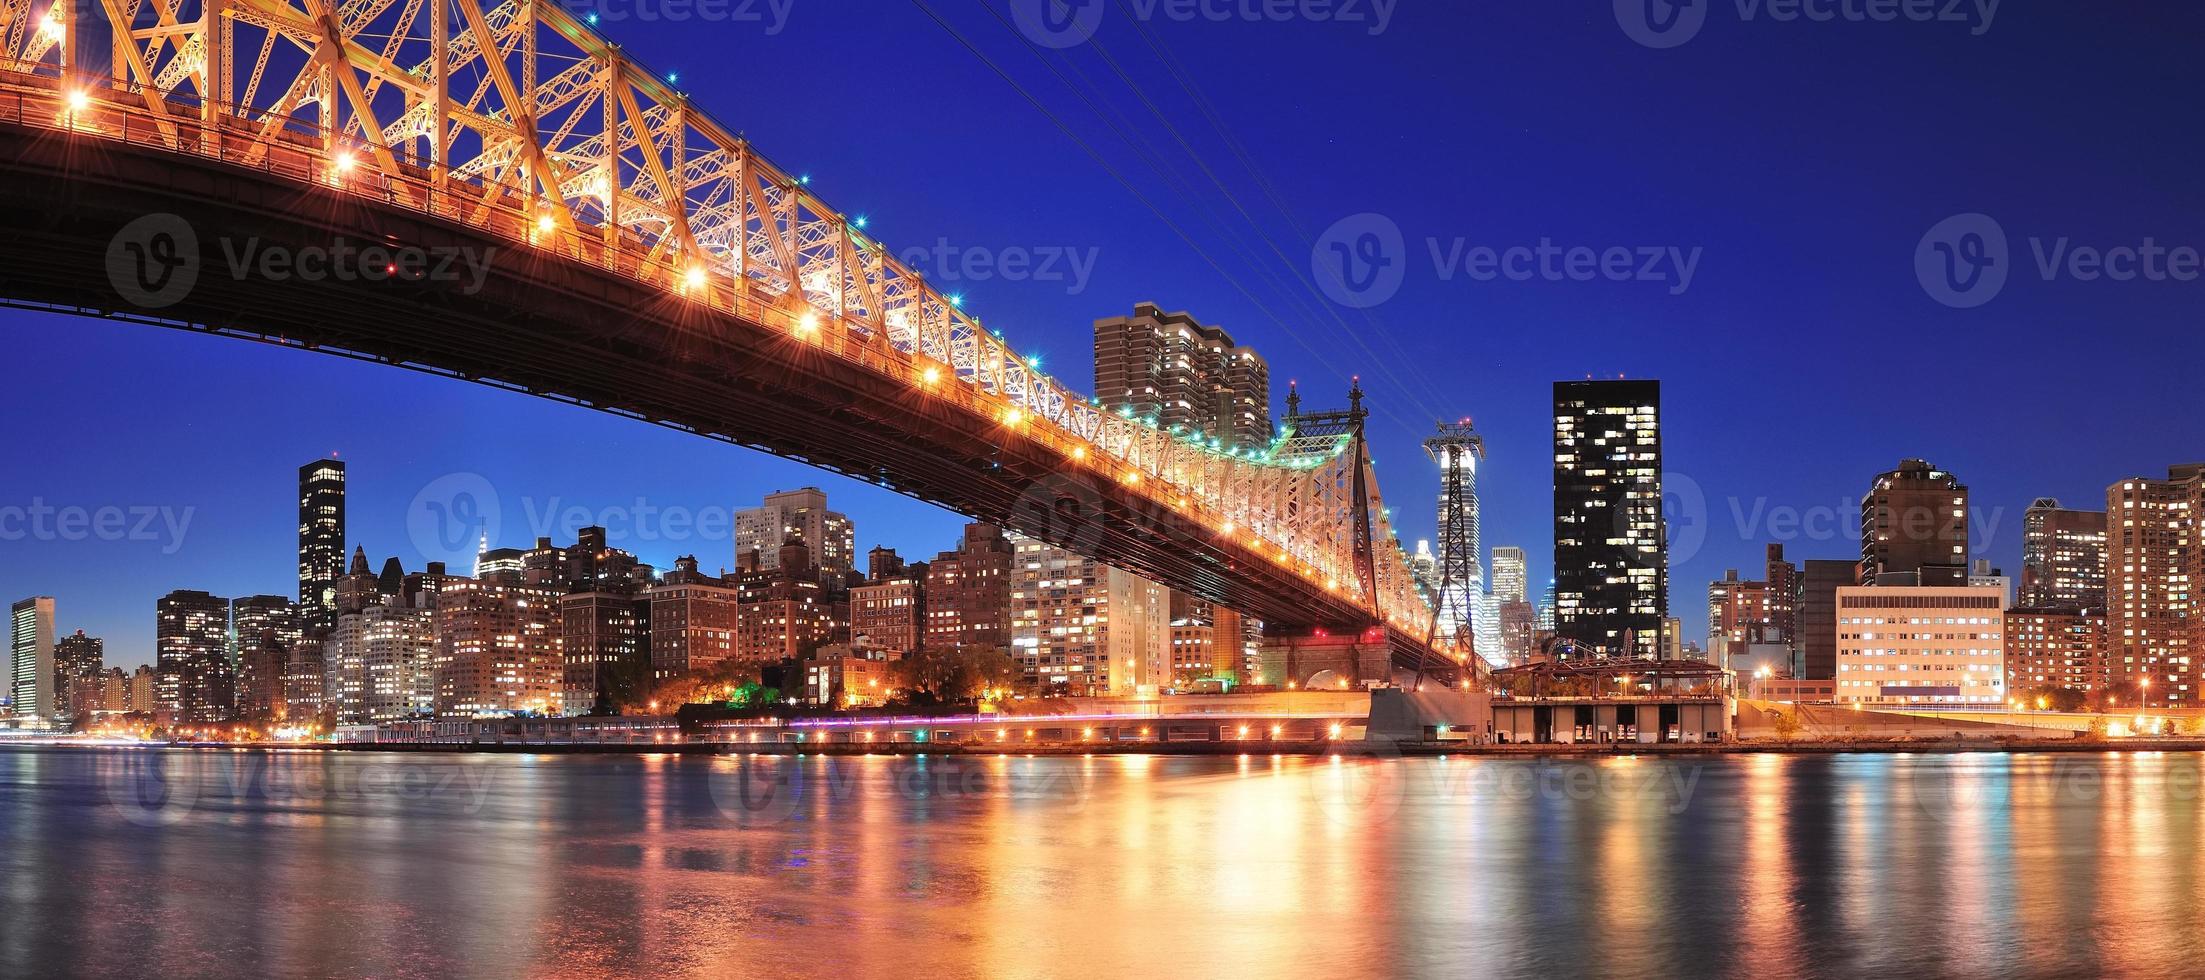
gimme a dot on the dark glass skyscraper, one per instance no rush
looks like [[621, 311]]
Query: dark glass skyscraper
[[1611, 553], [321, 540]]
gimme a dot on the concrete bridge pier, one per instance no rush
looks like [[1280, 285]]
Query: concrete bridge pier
[[1325, 661]]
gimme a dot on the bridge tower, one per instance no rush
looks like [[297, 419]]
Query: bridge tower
[[1457, 447]]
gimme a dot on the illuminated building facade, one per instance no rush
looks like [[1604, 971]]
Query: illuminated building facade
[[321, 540], [191, 638], [1086, 628], [2062, 556], [31, 658], [1611, 555], [803, 512], [2155, 560], [1187, 376], [1921, 645]]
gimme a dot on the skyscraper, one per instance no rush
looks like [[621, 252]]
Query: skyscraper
[[803, 512], [968, 592], [266, 626], [31, 658], [1914, 528], [1511, 581], [692, 620], [1611, 553], [2062, 556], [2155, 558], [497, 648], [1820, 578], [80, 668], [191, 638], [1184, 374], [321, 540]]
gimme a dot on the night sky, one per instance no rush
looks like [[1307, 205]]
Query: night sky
[[1802, 163]]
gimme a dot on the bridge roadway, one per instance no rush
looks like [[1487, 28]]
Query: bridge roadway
[[593, 334]]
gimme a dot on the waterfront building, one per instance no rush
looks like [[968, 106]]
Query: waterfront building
[[1087, 628], [114, 691], [497, 648], [605, 649], [692, 620], [968, 592], [31, 658], [145, 689], [829, 536], [1921, 645], [1611, 554], [1187, 376], [889, 614], [838, 676], [385, 662], [80, 675], [2155, 562], [265, 626], [2055, 647], [1914, 528], [192, 653], [321, 540], [1750, 618], [2062, 556], [306, 681], [787, 611]]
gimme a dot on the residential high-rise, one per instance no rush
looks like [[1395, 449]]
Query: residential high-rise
[[1086, 627], [1756, 621], [2155, 563], [306, 680], [265, 627], [882, 564], [383, 664], [1611, 554], [192, 650], [145, 690], [321, 540], [692, 620], [498, 648], [1819, 580], [31, 658], [2062, 556], [2055, 647], [803, 512], [1914, 528], [80, 674], [1921, 645], [788, 611], [115, 691], [1187, 376], [889, 614], [968, 592], [605, 647], [1209, 643]]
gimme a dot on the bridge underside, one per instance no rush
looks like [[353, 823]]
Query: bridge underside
[[553, 327]]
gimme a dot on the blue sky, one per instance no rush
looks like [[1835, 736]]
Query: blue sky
[[1799, 163]]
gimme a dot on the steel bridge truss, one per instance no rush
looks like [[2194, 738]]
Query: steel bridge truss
[[520, 118]]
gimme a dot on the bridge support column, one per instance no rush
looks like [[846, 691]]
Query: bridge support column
[[1325, 661]]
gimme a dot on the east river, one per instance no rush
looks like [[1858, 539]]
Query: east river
[[181, 863]]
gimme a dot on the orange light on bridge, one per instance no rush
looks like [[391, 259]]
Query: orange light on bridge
[[694, 278], [931, 375], [78, 101], [1013, 416], [1133, 479], [1079, 452], [545, 223], [345, 162], [808, 323]]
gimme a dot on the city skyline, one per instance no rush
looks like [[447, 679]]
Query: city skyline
[[416, 430]]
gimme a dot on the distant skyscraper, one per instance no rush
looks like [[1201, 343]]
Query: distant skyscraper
[[191, 638], [321, 540], [1611, 553], [2062, 556], [1424, 571], [2155, 562], [788, 610], [31, 658], [1757, 621], [829, 536], [1914, 528], [2055, 647], [1511, 579], [1544, 619], [383, 660], [1170, 367], [889, 614]]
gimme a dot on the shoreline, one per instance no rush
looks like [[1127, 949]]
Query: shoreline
[[1306, 749]]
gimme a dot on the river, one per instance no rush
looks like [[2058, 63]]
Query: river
[[224, 863]]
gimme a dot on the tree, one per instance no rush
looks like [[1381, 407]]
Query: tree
[[1786, 723], [954, 675], [2054, 698]]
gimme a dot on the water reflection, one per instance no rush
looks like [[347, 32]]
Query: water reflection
[[218, 863]]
